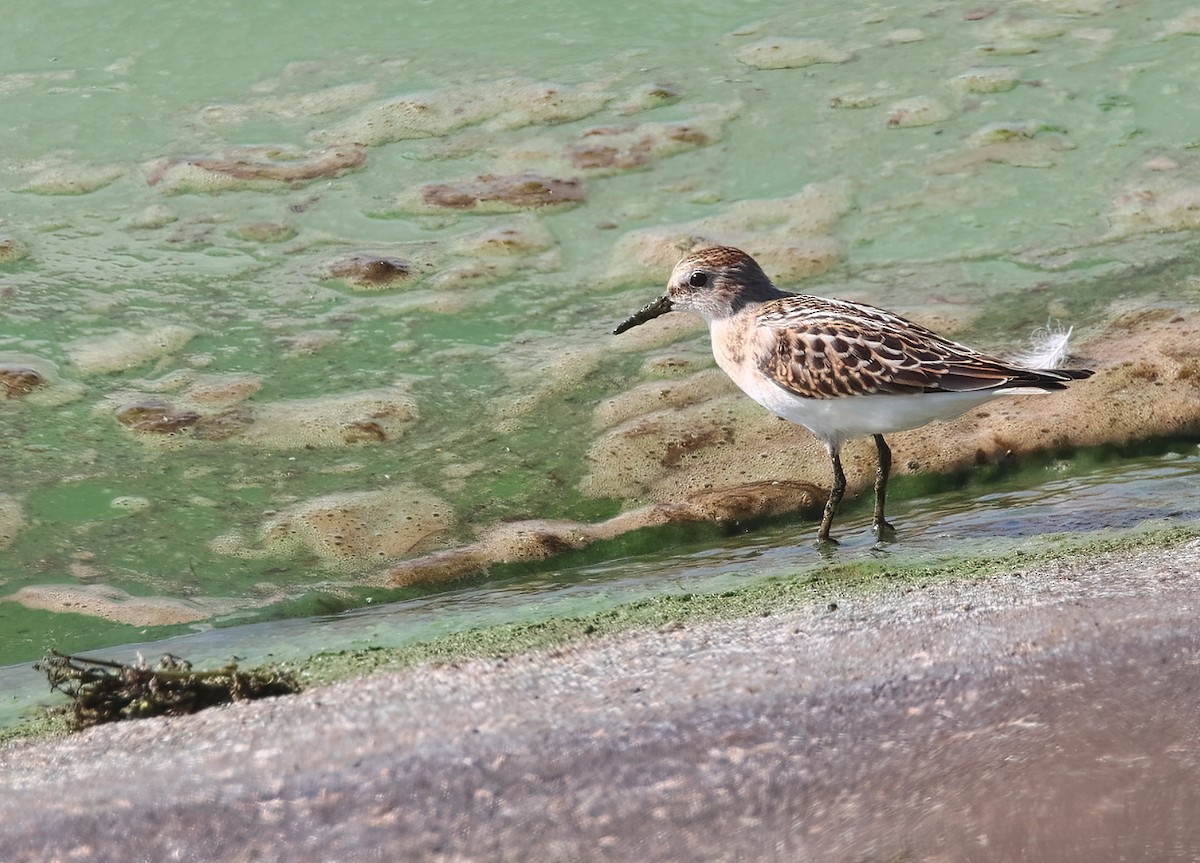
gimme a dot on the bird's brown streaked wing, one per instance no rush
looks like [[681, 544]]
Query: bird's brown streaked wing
[[822, 353]]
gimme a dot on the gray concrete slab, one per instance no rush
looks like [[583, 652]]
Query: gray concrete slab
[[1045, 714]]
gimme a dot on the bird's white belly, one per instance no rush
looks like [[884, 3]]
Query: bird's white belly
[[835, 420]]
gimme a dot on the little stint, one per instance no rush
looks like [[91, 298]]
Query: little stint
[[840, 369]]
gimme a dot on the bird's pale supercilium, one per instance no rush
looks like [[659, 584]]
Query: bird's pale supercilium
[[840, 369]]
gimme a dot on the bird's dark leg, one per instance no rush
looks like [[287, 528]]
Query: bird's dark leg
[[835, 494], [878, 523]]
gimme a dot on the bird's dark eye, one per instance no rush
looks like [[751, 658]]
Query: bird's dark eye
[[698, 279]]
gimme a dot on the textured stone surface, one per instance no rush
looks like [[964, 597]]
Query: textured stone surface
[[1040, 714]]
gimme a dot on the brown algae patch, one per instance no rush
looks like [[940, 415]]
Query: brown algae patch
[[700, 386], [783, 53], [371, 416], [671, 452], [220, 390], [367, 417], [291, 106], [265, 232], [253, 167], [492, 193], [482, 256], [152, 218], [1015, 34], [508, 103], [917, 111], [987, 79], [537, 103], [538, 539], [12, 519], [609, 149], [1164, 195], [601, 150], [647, 96], [109, 603], [20, 380], [154, 415], [519, 238], [127, 349], [424, 114], [1017, 143], [309, 341], [1186, 23], [31, 379], [365, 271], [72, 179], [349, 529], [12, 251], [1040, 153], [905, 36], [522, 245]]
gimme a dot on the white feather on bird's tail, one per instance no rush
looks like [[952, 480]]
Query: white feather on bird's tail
[[1048, 348]]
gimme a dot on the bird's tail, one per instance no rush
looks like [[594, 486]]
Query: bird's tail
[[1048, 348]]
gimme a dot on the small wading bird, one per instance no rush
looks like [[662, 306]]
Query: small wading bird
[[840, 369]]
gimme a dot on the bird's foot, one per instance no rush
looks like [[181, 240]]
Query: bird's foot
[[883, 530], [826, 544]]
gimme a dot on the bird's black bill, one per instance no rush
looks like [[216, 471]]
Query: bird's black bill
[[648, 313]]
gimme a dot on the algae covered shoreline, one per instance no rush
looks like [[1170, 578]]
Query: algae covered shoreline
[[826, 589], [864, 581]]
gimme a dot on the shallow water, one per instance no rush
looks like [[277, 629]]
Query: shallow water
[[503, 356]]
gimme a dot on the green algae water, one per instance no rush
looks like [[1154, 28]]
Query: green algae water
[[224, 405]]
